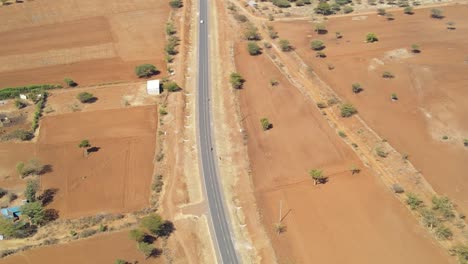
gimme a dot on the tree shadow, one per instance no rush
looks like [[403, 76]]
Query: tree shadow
[[149, 239], [51, 215], [156, 253], [48, 196], [287, 213], [166, 229], [91, 100], [47, 168], [93, 149]]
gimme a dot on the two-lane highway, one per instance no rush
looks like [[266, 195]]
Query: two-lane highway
[[222, 236]]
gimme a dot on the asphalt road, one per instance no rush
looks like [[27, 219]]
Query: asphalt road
[[219, 219]]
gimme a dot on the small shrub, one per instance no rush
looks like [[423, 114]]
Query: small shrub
[[157, 184], [437, 13], [461, 251], [397, 188], [323, 8], [253, 48], [175, 3], [415, 48], [146, 249], [20, 134], [389, 16], [31, 167], [170, 29], [281, 3], [163, 111], [338, 35], [171, 86], [356, 87], [251, 32], [137, 235], [236, 80], [19, 103], [387, 75], [443, 233], [332, 101], [267, 45], [317, 45], [408, 10], [145, 70], [321, 105], [299, 3], [317, 176], [70, 82], [394, 97], [413, 201], [355, 169], [444, 206], [85, 97], [3, 192], [371, 37], [381, 12], [341, 134], [241, 18], [274, 82], [320, 54], [381, 152], [451, 25], [120, 261], [465, 142], [320, 28], [265, 124], [347, 9], [87, 233], [285, 45], [347, 110], [444, 137], [429, 219], [84, 144]]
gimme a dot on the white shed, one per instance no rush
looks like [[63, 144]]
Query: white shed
[[152, 87]]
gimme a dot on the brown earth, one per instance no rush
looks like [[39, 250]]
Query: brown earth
[[430, 85], [10, 155], [113, 179], [351, 214], [104, 248], [88, 41]]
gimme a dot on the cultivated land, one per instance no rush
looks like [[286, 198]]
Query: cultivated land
[[91, 42], [99, 249], [430, 85], [328, 223], [113, 179]]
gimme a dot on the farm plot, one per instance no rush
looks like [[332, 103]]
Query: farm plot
[[349, 219], [427, 119], [92, 42], [98, 249], [112, 178]]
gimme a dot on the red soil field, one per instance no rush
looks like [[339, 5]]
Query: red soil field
[[350, 219], [113, 179], [431, 85], [104, 248], [89, 41], [10, 155]]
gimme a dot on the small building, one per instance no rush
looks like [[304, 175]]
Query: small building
[[23, 96], [153, 87], [252, 3], [11, 213]]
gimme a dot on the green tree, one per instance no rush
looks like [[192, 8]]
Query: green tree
[[285, 45], [317, 176], [253, 48], [347, 110], [35, 211], [236, 80], [175, 3], [323, 8], [152, 223], [371, 37], [31, 167], [415, 48], [145, 70], [171, 86], [437, 13], [387, 75], [146, 249], [281, 3], [85, 97], [32, 186], [137, 235], [20, 103], [251, 32], [70, 82], [317, 44], [84, 144], [265, 123], [170, 28]]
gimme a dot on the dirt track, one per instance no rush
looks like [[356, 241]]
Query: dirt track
[[346, 215], [430, 85]]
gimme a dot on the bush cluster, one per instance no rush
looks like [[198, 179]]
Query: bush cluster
[[10, 93]]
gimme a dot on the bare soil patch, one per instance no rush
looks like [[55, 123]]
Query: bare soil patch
[[430, 85], [91, 42], [116, 177], [326, 219]]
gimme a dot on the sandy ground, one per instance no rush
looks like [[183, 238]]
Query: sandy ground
[[91, 42], [325, 218], [430, 85], [113, 179], [106, 248]]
